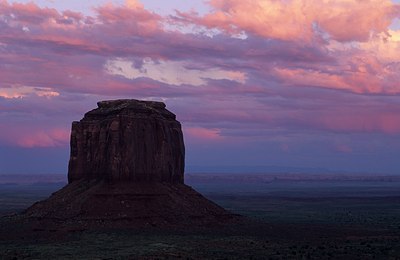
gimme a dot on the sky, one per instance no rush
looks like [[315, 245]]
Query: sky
[[256, 84]]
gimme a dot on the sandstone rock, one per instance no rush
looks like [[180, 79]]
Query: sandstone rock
[[127, 140], [126, 170]]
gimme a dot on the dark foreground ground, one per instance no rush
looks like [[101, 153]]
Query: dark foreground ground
[[294, 218]]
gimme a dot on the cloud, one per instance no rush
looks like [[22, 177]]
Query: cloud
[[170, 72], [134, 4], [203, 134], [49, 138], [14, 134], [340, 20], [132, 17], [386, 49], [23, 91], [299, 71]]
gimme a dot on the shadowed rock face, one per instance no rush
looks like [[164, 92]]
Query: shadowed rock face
[[126, 170], [127, 140]]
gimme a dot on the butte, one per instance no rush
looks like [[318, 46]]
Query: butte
[[126, 168]]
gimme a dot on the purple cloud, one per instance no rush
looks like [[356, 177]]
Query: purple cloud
[[264, 87]]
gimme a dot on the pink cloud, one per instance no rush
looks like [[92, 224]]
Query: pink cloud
[[357, 71], [308, 77], [23, 91], [343, 148], [28, 13], [342, 20], [38, 138], [132, 17], [76, 51], [362, 120], [53, 138], [203, 134]]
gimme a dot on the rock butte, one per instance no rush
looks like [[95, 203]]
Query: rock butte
[[127, 169], [127, 140]]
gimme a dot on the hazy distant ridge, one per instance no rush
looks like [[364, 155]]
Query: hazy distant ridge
[[270, 177], [217, 177], [32, 179]]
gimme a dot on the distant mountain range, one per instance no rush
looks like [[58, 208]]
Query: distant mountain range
[[32, 178], [259, 169], [25, 179], [293, 177]]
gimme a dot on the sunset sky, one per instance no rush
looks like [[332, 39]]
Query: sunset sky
[[255, 83]]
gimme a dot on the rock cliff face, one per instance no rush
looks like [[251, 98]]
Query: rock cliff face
[[126, 170], [127, 140]]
